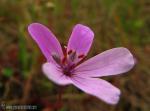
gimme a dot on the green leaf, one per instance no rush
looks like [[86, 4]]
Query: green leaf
[[8, 72]]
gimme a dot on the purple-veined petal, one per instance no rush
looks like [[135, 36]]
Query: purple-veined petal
[[110, 62], [46, 40], [98, 88], [81, 39], [53, 72]]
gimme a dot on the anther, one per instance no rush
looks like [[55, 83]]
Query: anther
[[81, 56], [56, 58], [69, 52]]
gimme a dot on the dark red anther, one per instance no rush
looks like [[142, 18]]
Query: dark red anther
[[69, 52], [81, 56]]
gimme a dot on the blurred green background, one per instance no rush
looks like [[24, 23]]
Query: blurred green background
[[115, 23]]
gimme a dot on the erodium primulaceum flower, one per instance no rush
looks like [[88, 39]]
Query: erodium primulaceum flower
[[65, 64]]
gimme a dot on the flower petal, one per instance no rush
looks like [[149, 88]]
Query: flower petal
[[110, 62], [46, 40], [81, 39], [54, 73], [99, 88]]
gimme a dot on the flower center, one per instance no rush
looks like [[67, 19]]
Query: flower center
[[70, 60], [67, 71]]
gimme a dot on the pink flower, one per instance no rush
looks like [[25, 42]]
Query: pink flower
[[67, 67]]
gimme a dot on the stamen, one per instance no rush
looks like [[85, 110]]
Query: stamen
[[72, 56], [72, 66], [81, 56], [56, 58], [69, 52], [80, 61], [63, 61], [65, 50]]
